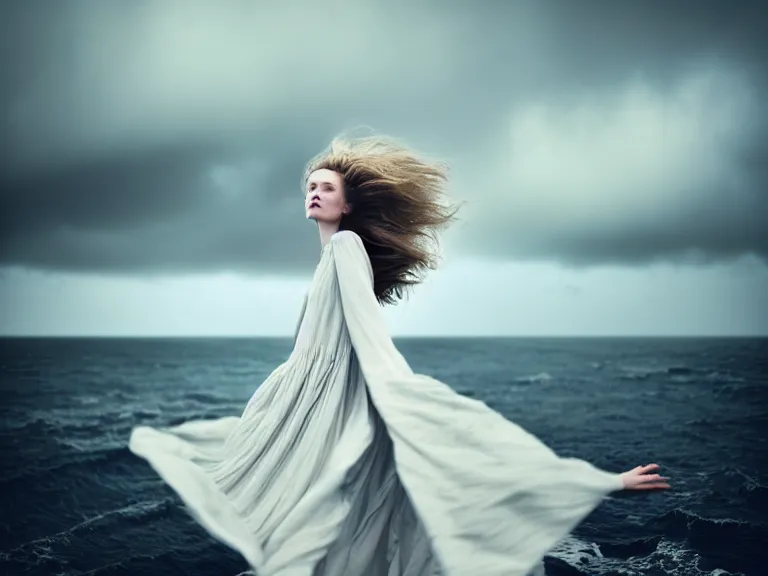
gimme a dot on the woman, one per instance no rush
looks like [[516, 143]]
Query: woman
[[347, 463]]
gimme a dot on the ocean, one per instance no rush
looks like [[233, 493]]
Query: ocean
[[75, 501]]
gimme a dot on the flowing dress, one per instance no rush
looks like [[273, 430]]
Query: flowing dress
[[347, 463]]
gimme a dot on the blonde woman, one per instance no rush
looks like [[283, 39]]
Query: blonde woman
[[347, 463]]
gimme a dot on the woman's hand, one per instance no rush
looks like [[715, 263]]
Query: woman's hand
[[640, 479]]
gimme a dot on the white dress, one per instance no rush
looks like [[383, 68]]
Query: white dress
[[347, 463]]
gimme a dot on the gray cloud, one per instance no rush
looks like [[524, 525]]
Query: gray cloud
[[171, 136], [639, 176]]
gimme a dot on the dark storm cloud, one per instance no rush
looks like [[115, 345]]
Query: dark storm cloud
[[171, 136], [159, 210]]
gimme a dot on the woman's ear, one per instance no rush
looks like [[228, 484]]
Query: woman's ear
[[347, 208]]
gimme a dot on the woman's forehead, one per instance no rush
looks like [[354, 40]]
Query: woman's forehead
[[324, 175]]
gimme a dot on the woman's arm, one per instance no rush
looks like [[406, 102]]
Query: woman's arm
[[381, 362], [378, 356], [301, 318], [492, 496]]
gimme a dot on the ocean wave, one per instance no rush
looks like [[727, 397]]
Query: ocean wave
[[56, 423], [140, 413], [740, 421], [743, 391], [534, 378], [756, 495], [679, 370], [68, 423], [631, 548], [640, 373], [681, 374], [76, 464], [26, 426], [42, 550], [170, 563], [723, 376], [749, 488], [207, 398], [134, 512], [640, 557], [700, 532]]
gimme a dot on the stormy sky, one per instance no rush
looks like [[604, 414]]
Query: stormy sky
[[612, 157]]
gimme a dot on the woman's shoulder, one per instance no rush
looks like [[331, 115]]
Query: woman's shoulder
[[346, 237], [349, 246]]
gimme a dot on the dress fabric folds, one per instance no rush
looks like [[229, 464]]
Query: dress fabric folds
[[347, 463]]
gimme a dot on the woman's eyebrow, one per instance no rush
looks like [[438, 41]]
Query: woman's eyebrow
[[320, 182]]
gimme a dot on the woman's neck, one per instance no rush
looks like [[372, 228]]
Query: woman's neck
[[327, 229]]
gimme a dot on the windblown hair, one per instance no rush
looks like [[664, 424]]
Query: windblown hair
[[398, 207]]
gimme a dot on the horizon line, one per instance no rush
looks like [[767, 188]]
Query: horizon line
[[394, 336]]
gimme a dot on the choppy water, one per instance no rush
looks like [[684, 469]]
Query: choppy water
[[74, 501]]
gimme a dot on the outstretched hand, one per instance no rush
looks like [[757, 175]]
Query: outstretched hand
[[639, 478]]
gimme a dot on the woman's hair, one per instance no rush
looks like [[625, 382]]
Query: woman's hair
[[398, 207]]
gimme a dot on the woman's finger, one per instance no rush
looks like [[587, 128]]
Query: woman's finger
[[654, 478], [652, 486]]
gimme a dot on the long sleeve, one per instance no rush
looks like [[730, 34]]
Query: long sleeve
[[492, 497], [301, 319]]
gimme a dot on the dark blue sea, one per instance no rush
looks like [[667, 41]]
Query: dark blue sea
[[75, 501]]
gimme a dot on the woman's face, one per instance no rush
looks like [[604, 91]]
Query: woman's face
[[325, 200]]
